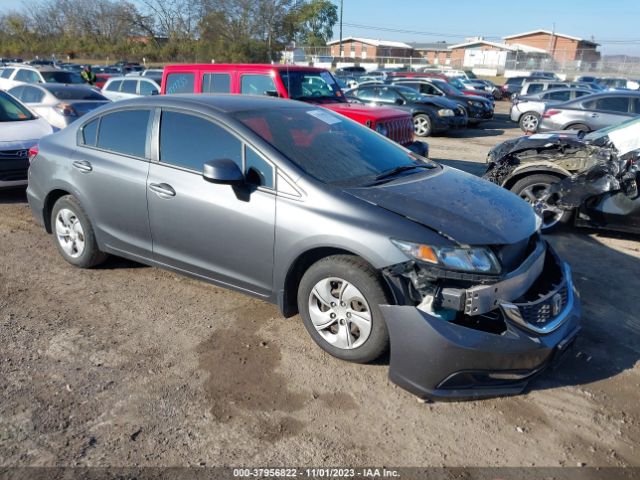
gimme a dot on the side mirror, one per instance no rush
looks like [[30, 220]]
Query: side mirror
[[223, 171], [399, 101], [272, 93]]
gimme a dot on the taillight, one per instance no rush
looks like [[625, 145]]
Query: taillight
[[550, 113], [65, 109], [33, 151]]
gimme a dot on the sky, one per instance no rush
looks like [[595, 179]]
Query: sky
[[613, 23]]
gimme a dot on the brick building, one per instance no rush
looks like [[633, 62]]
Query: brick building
[[353, 47], [563, 48], [436, 53]]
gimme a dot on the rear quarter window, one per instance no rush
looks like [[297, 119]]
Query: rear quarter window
[[124, 132], [179, 83], [114, 86]]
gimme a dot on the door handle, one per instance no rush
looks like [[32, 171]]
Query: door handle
[[83, 166], [594, 115], [162, 189]]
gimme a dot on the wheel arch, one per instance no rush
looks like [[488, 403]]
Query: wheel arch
[[523, 172], [50, 200], [287, 297]]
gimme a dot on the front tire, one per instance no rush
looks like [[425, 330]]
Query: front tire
[[531, 188], [338, 300], [529, 121], [73, 234], [422, 125], [581, 127]]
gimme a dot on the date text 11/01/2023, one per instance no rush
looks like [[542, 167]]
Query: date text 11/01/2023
[[315, 473]]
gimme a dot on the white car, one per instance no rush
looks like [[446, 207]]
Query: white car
[[18, 75], [120, 88], [20, 130]]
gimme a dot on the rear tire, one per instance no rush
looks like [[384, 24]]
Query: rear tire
[[338, 300], [73, 234], [532, 187], [581, 127]]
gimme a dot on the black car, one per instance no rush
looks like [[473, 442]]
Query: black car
[[513, 86], [568, 177], [477, 108], [430, 114]]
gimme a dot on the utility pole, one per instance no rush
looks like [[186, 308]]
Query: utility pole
[[340, 47]]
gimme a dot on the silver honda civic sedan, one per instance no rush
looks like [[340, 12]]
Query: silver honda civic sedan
[[375, 247]]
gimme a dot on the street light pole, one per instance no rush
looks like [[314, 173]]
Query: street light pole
[[340, 47]]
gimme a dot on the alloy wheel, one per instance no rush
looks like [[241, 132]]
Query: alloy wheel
[[549, 213]]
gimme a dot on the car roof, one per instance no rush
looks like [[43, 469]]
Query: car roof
[[223, 103], [213, 67]]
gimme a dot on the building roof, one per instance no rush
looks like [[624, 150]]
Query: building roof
[[370, 41], [502, 46], [437, 46], [548, 32]]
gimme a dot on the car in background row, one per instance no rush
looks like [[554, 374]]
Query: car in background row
[[476, 108], [537, 86], [307, 84], [59, 104], [377, 248], [431, 114], [120, 88], [590, 113], [527, 110], [12, 76], [513, 86], [20, 131], [568, 177]]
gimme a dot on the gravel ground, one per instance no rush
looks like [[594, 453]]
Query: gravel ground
[[127, 365]]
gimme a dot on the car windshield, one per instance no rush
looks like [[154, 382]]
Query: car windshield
[[75, 93], [62, 77], [11, 110], [330, 147], [303, 85]]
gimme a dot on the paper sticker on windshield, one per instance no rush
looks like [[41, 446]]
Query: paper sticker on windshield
[[325, 116]]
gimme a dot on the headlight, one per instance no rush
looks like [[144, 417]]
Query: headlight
[[471, 259], [382, 129], [446, 112]]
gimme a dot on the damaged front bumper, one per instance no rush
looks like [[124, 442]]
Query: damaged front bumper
[[440, 358]]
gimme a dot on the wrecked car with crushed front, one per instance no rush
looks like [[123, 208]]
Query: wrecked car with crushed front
[[590, 180], [375, 246]]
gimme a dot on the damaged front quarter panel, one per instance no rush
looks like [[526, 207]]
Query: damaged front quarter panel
[[452, 336]]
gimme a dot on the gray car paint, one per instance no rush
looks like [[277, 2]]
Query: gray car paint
[[252, 240]]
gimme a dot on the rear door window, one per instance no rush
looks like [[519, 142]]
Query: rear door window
[[114, 86], [216, 83], [535, 87], [559, 96], [27, 76], [124, 132], [257, 84], [147, 88], [129, 86], [188, 141], [180, 83], [613, 104]]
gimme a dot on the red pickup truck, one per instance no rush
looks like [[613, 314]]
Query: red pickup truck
[[307, 84]]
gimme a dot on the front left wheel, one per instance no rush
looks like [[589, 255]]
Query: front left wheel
[[74, 235], [422, 125], [338, 300]]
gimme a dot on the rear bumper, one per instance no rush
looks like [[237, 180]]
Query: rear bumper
[[437, 359]]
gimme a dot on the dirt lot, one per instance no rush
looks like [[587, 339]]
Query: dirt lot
[[129, 365]]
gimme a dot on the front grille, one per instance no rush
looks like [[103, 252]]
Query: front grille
[[400, 130], [543, 311], [20, 154]]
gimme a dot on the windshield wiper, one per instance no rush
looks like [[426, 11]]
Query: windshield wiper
[[394, 171]]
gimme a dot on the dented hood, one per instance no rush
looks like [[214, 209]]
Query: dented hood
[[461, 206]]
